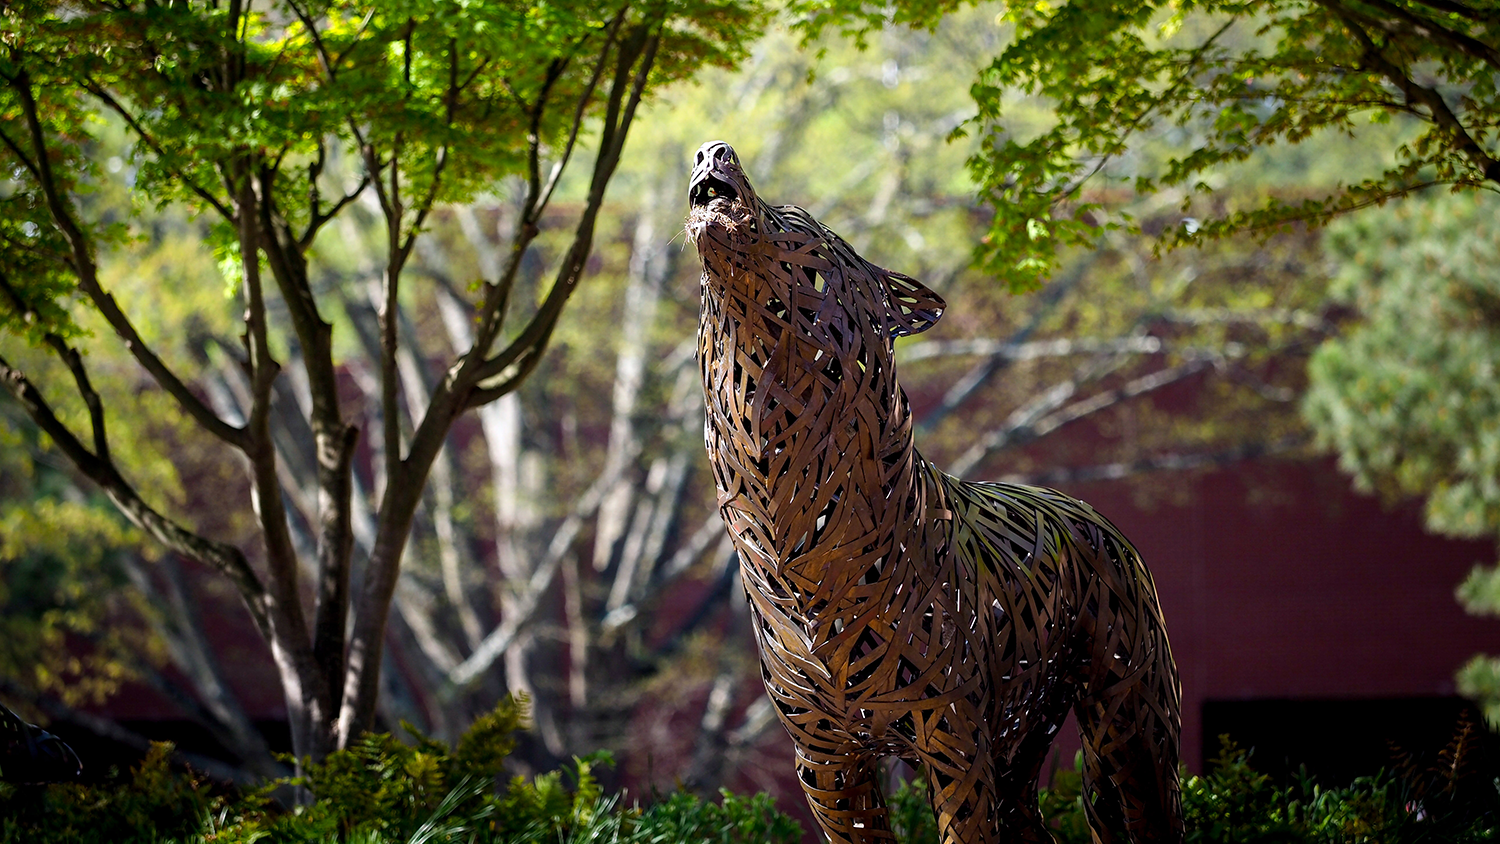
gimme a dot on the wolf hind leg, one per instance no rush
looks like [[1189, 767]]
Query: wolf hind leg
[[1130, 753], [1016, 779]]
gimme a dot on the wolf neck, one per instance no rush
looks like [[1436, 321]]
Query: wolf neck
[[810, 436]]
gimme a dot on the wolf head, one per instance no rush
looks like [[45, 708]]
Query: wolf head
[[721, 200], [717, 175], [737, 234]]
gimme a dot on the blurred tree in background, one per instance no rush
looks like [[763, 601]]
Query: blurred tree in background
[[1410, 396]]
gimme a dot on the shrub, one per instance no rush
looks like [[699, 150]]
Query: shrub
[[384, 791], [1446, 802], [151, 803]]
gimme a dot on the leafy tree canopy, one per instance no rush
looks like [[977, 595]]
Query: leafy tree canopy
[[1218, 81]]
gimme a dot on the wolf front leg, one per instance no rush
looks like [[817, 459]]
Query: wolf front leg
[[954, 751], [844, 793]]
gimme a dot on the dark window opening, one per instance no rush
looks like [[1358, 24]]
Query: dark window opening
[[1338, 740]]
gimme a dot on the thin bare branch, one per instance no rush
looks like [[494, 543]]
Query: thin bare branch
[[1040, 418], [225, 558], [708, 532], [181, 628], [1172, 462], [986, 370], [1033, 350], [1304, 319], [529, 598]]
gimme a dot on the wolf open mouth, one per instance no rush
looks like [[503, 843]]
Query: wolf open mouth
[[710, 189]]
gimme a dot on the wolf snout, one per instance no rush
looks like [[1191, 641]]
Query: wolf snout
[[710, 188]]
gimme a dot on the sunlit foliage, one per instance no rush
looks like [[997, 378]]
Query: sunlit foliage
[[1409, 398], [1210, 84]]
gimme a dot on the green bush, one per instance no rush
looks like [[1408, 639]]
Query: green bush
[[1446, 802], [153, 803], [384, 791]]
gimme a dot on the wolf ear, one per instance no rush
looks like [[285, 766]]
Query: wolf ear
[[912, 307]]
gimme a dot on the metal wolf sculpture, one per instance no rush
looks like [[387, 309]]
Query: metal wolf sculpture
[[900, 611]]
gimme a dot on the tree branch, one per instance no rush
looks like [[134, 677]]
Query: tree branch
[[334, 441], [712, 528], [528, 600], [306, 690], [118, 108], [988, 369], [1029, 424], [1421, 27], [224, 558], [330, 68], [526, 350], [20, 154], [1443, 116], [1033, 350], [1173, 462], [70, 357], [74, 362], [215, 703], [88, 280], [110, 730], [534, 213], [317, 219], [402, 494], [1456, 9], [1165, 97]]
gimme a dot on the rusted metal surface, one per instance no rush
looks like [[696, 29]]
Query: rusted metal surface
[[900, 611]]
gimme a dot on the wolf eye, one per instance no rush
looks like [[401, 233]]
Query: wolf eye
[[712, 192]]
